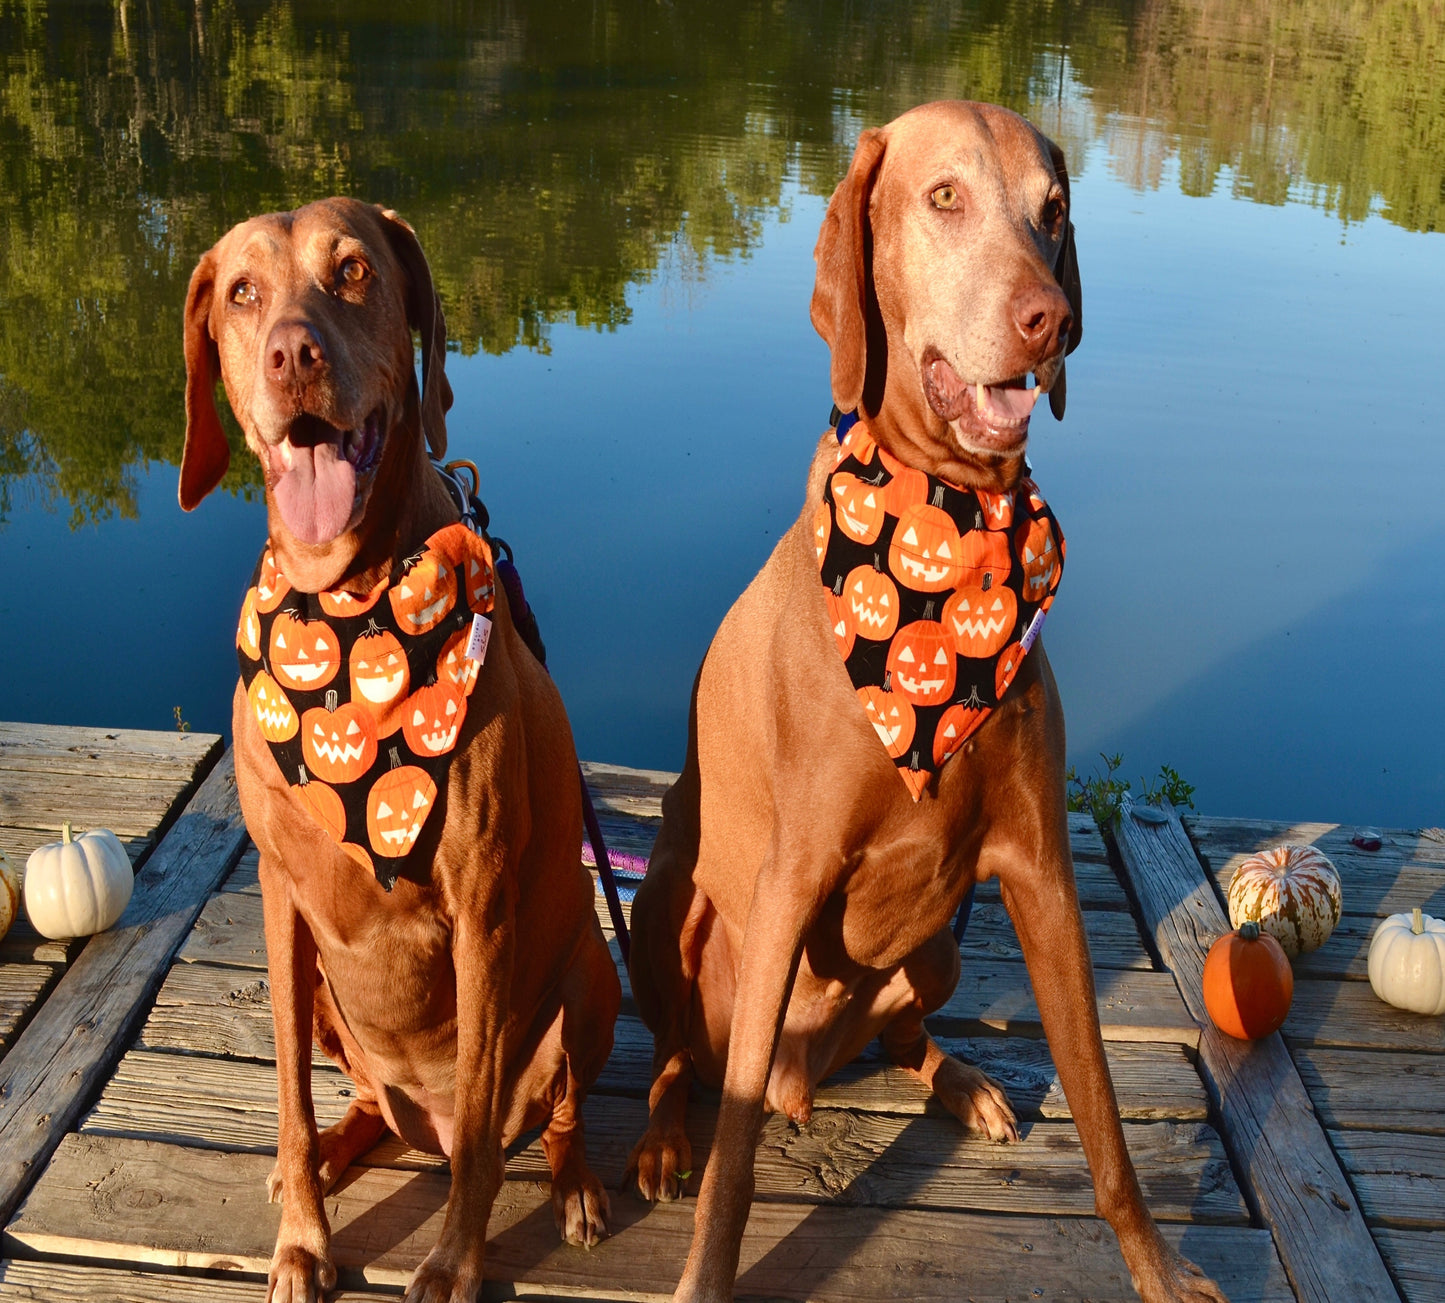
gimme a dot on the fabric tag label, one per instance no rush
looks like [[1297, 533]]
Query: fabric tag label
[[1032, 632], [481, 636]]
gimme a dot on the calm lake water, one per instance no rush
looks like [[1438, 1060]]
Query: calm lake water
[[619, 201]]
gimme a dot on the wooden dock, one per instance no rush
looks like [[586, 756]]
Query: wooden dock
[[137, 1091]]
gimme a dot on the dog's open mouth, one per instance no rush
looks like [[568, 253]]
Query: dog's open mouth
[[993, 416], [318, 471]]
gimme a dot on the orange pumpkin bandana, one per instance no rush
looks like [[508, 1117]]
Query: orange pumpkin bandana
[[361, 698], [935, 593]]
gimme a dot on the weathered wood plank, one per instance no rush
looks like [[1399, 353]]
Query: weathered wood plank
[[924, 1160], [1374, 1090], [1133, 1006], [231, 1103], [1400, 1178], [208, 1009], [1418, 1260], [17, 843], [1217, 836], [142, 1202], [129, 807], [59, 1060], [21, 988], [1268, 1124], [24, 945], [63, 1282], [1350, 1014], [120, 752], [229, 931]]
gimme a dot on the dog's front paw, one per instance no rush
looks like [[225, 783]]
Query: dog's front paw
[[975, 1100], [299, 1276], [662, 1162], [1175, 1280], [438, 1281], [580, 1207]]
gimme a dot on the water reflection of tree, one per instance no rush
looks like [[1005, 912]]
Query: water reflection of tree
[[553, 156]]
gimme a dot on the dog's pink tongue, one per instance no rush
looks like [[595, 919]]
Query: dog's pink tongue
[[1010, 404], [317, 493]]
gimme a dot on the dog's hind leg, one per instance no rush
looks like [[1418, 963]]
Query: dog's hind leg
[[666, 917], [970, 1095]]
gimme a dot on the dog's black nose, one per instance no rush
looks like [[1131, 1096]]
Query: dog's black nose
[[294, 354]]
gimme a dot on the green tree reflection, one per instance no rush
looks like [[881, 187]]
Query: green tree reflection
[[553, 155]]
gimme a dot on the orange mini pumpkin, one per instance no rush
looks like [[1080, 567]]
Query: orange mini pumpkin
[[892, 718], [432, 717], [425, 594], [955, 726], [275, 715], [871, 599], [271, 584], [380, 675], [1039, 557], [1248, 983], [396, 808], [325, 807], [248, 630], [981, 621], [839, 622], [921, 663], [305, 654], [341, 603], [339, 742], [860, 507], [455, 666], [926, 551]]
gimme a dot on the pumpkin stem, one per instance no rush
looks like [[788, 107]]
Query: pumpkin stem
[[65, 833], [1249, 930], [1417, 923]]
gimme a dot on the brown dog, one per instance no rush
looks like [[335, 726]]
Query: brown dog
[[475, 999], [798, 900]]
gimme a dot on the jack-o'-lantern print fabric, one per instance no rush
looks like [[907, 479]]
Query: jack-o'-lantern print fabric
[[936, 594], [361, 697]]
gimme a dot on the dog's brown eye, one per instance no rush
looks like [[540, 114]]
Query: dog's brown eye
[[945, 196], [1053, 214], [353, 271], [244, 293]]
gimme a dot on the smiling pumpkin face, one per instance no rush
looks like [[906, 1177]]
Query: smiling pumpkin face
[[927, 551], [304, 654], [340, 743], [425, 593], [432, 718], [921, 663], [859, 506]]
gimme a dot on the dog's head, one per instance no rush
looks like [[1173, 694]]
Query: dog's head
[[946, 277], [307, 318]]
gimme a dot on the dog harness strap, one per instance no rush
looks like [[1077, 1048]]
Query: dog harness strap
[[361, 698], [935, 594]]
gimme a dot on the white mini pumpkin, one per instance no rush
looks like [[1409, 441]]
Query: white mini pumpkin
[[9, 893], [1407, 962], [1292, 892], [79, 885]]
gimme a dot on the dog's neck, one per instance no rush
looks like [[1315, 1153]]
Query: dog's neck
[[407, 504]]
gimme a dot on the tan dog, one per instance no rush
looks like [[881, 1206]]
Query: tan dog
[[798, 901], [479, 1001]]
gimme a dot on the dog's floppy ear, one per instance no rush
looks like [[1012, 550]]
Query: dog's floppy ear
[[207, 454], [840, 287], [424, 314], [1066, 272]]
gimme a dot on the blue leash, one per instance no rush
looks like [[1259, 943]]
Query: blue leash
[[842, 422]]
